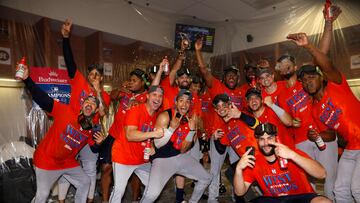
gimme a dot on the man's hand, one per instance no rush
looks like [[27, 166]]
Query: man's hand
[[198, 44], [299, 39], [234, 112], [192, 122], [283, 151], [163, 63], [158, 133], [336, 11], [268, 101], [296, 122], [312, 134], [98, 137], [66, 28], [218, 134], [246, 160], [175, 121], [184, 44]]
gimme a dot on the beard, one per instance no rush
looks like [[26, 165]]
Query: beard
[[289, 75], [272, 151]]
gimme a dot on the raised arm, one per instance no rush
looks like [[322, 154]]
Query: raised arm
[[157, 78], [240, 186], [39, 96], [208, 77], [68, 56], [178, 63], [325, 41], [135, 135], [284, 116], [321, 59], [310, 166]]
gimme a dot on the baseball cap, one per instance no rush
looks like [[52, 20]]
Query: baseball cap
[[248, 66], [230, 68], [184, 92], [260, 71], [138, 72], [252, 91], [183, 71], [220, 97], [155, 88], [262, 128], [309, 69]]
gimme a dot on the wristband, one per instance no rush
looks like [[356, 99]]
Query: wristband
[[189, 137]]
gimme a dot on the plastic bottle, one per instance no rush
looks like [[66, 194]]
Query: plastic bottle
[[166, 66], [19, 75], [318, 140], [147, 150], [328, 11], [283, 162]]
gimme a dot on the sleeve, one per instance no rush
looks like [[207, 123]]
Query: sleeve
[[216, 88], [248, 175], [251, 121], [39, 96], [68, 57]]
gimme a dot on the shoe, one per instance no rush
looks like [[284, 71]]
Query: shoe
[[222, 189]]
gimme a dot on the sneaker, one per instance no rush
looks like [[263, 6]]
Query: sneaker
[[222, 189]]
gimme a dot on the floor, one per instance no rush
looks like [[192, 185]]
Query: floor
[[168, 194]]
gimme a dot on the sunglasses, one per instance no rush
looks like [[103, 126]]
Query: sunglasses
[[267, 128]]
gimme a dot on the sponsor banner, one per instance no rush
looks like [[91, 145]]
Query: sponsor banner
[[53, 81]]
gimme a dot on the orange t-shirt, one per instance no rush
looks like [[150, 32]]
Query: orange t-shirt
[[236, 95], [62, 142], [284, 134], [132, 153], [298, 104], [339, 110], [238, 135], [81, 89], [126, 99], [281, 86], [170, 93], [274, 181]]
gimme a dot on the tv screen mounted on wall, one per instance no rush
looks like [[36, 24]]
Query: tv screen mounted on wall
[[192, 33]]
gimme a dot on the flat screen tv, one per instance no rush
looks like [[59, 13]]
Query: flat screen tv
[[192, 33]]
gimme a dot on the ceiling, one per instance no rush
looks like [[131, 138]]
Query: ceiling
[[216, 10]]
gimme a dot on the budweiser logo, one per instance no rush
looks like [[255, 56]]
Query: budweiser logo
[[53, 74]]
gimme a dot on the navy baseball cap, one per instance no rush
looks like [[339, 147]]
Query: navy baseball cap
[[309, 69], [184, 92], [252, 91], [230, 68]]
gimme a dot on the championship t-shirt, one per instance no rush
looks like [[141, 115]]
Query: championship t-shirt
[[274, 181], [285, 136], [281, 86], [236, 95], [62, 142], [126, 100], [174, 145], [238, 135], [81, 89], [132, 153], [170, 93], [298, 104], [339, 110]]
